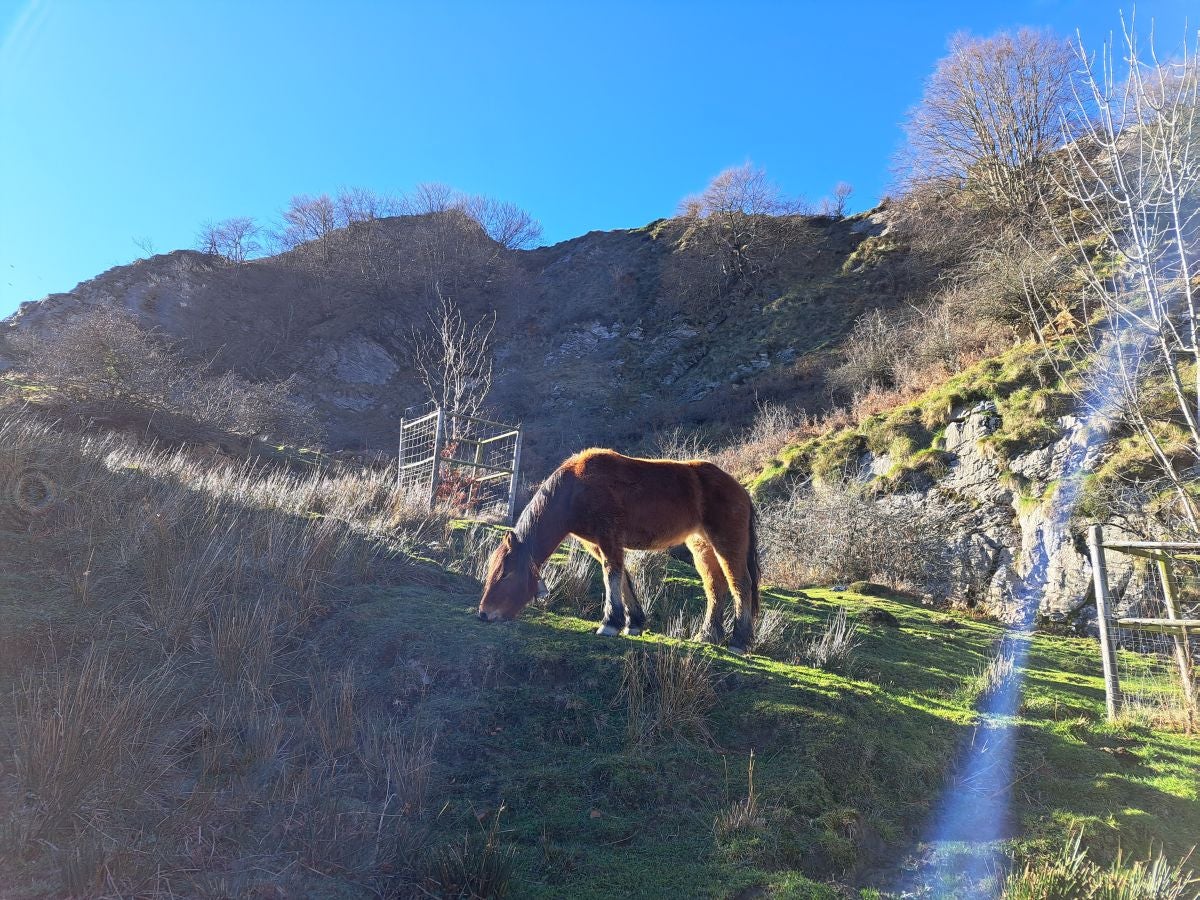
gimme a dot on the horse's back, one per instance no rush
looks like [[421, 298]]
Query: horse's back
[[700, 486]]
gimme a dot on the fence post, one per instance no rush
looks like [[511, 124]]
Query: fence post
[[400, 462], [438, 437], [1183, 655], [512, 483], [1112, 688]]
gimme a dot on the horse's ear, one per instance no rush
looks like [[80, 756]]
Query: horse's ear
[[508, 542]]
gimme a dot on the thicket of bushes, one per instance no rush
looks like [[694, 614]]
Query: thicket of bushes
[[103, 365]]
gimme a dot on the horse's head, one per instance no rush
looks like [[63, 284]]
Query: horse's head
[[511, 582]]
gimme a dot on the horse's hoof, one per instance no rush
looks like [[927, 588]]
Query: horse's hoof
[[737, 651], [631, 631], [704, 637], [607, 631]]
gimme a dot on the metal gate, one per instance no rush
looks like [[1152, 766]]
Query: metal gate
[[466, 463]]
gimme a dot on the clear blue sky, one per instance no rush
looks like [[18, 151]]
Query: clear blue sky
[[123, 120]]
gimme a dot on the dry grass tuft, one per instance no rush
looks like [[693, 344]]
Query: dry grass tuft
[[740, 815], [834, 646], [480, 866], [668, 695]]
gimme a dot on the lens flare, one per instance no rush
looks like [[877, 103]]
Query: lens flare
[[965, 840]]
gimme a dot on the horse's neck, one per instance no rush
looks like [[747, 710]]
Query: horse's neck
[[548, 529], [545, 537]]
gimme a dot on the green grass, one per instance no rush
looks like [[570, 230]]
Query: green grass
[[848, 764]]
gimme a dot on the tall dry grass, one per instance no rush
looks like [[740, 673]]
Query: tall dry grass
[[668, 695], [170, 727]]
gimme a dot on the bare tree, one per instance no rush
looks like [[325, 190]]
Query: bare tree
[[990, 116], [355, 205], [835, 205], [234, 240], [1133, 182], [454, 359], [736, 230], [308, 220], [432, 197], [505, 223]]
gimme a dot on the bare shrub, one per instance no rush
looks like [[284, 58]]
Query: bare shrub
[[834, 646], [681, 444], [870, 354], [668, 695], [101, 355], [837, 531], [103, 362], [237, 405], [774, 427]]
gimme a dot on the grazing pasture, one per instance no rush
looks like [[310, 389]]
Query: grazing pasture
[[228, 681]]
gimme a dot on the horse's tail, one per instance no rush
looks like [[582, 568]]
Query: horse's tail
[[752, 560]]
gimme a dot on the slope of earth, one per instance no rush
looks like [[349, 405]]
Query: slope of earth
[[599, 340]]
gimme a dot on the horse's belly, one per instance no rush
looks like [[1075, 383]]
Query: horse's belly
[[640, 539]]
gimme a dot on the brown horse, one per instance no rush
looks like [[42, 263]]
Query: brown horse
[[612, 503]]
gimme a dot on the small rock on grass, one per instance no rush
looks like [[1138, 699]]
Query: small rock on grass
[[877, 616]]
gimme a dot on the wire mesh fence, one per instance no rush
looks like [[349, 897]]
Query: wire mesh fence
[[465, 463], [418, 450], [1150, 634]]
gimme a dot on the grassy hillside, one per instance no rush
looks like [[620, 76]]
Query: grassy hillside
[[221, 681]]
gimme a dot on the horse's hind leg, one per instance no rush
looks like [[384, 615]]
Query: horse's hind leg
[[737, 574], [635, 616], [715, 589]]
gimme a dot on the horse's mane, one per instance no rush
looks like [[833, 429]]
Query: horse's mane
[[536, 508]]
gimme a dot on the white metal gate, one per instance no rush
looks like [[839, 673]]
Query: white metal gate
[[464, 462]]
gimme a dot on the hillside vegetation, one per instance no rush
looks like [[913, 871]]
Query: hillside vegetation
[[295, 664]]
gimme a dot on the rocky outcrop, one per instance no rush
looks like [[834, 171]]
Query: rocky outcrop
[[604, 339], [1018, 550]]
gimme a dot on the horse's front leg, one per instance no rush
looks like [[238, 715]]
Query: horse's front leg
[[613, 620], [635, 615]]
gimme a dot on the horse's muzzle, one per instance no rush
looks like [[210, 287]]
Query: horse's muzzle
[[483, 617]]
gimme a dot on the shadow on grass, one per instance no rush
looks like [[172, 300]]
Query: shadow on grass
[[846, 765]]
